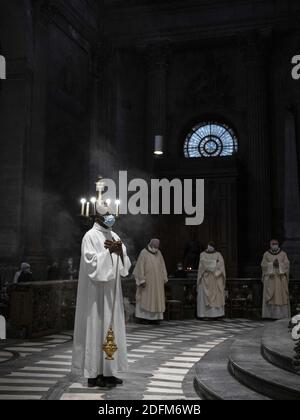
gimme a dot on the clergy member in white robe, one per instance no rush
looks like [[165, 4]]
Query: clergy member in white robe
[[103, 261], [151, 276], [211, 284], [275, 277]]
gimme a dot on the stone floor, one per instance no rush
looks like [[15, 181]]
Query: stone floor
[[161, 363]]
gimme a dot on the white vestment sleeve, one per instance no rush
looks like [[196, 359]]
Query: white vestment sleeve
[[163, 266], [266, 266], [284, 266], [270, 268], [220, 266], [139, 270], [98, 265], [125, 264], [201, 269]]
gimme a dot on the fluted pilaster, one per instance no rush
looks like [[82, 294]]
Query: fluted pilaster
[[43, 13], [258, 156]]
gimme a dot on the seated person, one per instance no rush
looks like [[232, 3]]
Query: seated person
[[24, 275], [180, 271]]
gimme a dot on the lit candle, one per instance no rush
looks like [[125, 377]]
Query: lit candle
[[99, 188], [93, 201], [83, 201], [108, 202], [118, 202], [88, 210]]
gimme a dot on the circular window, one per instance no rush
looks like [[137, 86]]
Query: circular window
[[210, 139]]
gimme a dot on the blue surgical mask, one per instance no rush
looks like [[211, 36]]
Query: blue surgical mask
[[109, 220]]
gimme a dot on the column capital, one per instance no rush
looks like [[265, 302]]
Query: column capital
[[254, 48], [45, 11], [158, 54]]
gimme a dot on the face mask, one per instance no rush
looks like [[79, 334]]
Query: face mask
[[274, 247], [155, 250], [109, 221], [210, 248]]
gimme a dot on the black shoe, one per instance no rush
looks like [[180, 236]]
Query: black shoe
[[102, 382], [112, 380], [99, 382], [92, 383]]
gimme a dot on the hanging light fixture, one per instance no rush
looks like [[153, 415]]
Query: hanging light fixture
[[159, 146]]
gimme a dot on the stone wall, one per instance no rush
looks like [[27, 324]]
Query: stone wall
[[45, 127], [228, 61], [90, 84]]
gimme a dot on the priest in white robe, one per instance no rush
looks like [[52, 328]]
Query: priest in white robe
[[275, 277], [151, 276], [103, 261], [211, 284]]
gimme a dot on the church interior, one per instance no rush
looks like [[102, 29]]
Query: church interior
[[159, 89]]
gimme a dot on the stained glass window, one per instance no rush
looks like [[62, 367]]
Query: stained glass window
[[210, 139]]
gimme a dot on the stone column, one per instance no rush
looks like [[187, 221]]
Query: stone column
[[96, 79], [34, 168], [102, 111], [278, 109], [15, 117], [157, 60], [259, 215]]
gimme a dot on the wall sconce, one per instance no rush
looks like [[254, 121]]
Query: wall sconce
[[159, 146]]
